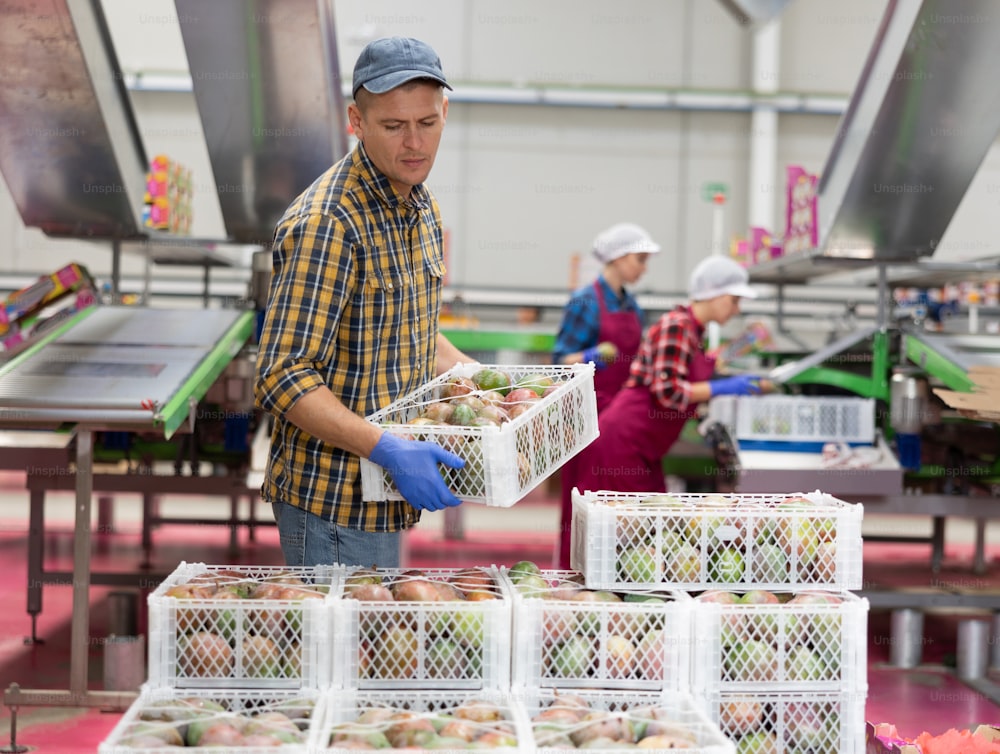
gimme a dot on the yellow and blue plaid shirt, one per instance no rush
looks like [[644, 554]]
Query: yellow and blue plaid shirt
[[353, 305]]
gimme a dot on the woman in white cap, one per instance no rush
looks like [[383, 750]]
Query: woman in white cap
[[602, 323], [670, 375]]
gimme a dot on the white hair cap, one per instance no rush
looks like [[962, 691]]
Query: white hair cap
[[718, 276], [622, 239]]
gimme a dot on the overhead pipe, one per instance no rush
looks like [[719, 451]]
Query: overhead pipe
[[554, 96]]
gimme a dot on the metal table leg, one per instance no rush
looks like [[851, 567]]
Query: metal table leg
[[979, 562], [36, 557], [78, 694], [937, 543], [80, 634]]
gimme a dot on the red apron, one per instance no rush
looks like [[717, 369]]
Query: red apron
[[636, 432], [624, 329]]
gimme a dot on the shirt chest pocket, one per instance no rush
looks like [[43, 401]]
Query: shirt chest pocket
[[392, 287]]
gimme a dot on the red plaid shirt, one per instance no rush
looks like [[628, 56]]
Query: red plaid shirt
[[665, 356]]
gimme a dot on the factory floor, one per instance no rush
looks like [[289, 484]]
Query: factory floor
[[928, 697]]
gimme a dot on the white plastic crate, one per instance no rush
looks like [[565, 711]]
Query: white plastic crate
[[791, 722], [626, 540], [436, 627], [795, 422], [502, 462], [220, 720], [569, 720], [259, 627], [569, 636], [805, 642], [424, 720]]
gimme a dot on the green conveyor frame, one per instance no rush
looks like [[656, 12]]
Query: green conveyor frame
[[176, 410], [874, 385], [172, 415], [466, 339]]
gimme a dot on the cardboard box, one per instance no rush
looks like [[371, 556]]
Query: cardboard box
[[981, 404]]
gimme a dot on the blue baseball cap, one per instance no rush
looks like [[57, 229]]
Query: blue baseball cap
[[387, 63]]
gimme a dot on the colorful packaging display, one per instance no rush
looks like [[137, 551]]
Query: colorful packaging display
[[21, 314], [168, 196], [801, 222]]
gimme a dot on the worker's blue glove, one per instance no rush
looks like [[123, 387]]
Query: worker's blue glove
[[741, 384], [413, 467], [594, 354]]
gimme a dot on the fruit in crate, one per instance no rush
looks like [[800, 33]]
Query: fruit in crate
[[472, 724], [754, 661], [568, 722], [444, 625], [759, 742], [492, 380], [204, 655], [726, 565], [741, 717], [638, 565], [204, 722]]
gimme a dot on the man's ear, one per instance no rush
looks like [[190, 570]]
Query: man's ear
[[354, 118]]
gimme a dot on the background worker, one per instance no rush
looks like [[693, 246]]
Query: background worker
[[669, 377], [351, 322], [602, 323]]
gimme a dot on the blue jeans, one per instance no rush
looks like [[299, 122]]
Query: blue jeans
[[308, 540]]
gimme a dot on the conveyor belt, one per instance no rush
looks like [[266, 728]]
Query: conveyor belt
[[123, 367]]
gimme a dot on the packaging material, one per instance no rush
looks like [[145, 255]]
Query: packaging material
[[513, 425], [982, 403], [169, 196], [801, 221]]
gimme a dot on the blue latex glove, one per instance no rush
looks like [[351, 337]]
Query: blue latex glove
[[741, 384], [593, 354], [413, 467]]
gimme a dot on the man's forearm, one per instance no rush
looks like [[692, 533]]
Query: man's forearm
[[323, 416], [448, 356]]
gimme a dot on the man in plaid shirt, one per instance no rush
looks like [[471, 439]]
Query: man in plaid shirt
[[351, 322]]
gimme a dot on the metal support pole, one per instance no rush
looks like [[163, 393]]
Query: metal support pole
[[36, 557], [13, 747], [80, 634]]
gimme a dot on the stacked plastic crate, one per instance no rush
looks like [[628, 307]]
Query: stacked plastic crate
[[778, 642], [605, 669], [239, 659], [422, 660]]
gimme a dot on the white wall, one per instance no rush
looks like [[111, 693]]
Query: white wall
[[524, 187]]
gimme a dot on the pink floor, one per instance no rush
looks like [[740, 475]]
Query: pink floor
[[926, 698]]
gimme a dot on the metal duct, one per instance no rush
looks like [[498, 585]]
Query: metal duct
[[70, 150], [267, 83], [924, 114]]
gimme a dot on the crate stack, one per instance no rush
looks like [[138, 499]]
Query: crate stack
[[778, 641], [421, 659], [620, 657], [239, 659]]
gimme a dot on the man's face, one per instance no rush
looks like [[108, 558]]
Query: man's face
[[401, 130]]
